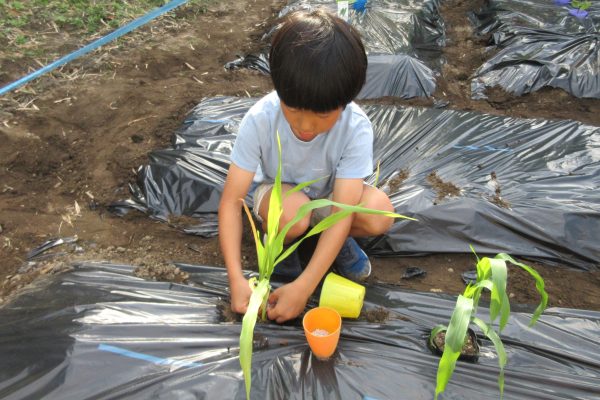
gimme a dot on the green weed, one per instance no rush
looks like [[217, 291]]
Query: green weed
[[21, 22]]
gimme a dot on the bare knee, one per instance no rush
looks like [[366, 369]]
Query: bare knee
[[295, 230], [290, 206], [371, 224]]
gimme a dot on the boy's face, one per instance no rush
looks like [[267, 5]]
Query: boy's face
[[306, 125]]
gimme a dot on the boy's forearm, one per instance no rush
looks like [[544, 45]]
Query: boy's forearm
[[230, 238], [327, 248]]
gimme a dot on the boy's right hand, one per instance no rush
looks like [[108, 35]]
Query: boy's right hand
[[240, 295]]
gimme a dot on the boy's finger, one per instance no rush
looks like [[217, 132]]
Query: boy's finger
[[272, 313], [273, 297]]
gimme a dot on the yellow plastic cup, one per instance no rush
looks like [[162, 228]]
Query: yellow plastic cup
[[343, 295], [322, 327]]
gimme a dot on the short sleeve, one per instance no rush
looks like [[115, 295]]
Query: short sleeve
[[246, 149], [357, 157]]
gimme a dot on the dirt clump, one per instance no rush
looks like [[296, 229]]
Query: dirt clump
[[395, 181], [497, 197], [376, 315], [443, 189], [227, 315], [470, 347], [162, 273], [14, 284]]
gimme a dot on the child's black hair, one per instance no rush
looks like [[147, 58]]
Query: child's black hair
[[317, 61]]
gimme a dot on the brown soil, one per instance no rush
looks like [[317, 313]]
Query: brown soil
[[442, 188], [72, 139], [161, 272], [470, 347], [396, 180], [377, 314]]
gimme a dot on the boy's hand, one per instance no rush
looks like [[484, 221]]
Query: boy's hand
[[240, 295], [287, 302]]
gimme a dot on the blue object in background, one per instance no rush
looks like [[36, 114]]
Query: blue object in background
[[562, 2], [360, 5], [577, 12]]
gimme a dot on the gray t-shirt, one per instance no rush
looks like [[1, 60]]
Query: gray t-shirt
[[346, 151]]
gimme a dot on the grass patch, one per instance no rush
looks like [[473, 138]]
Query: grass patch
[[25, 23]]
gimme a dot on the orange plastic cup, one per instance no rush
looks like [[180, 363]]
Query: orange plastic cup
[[322, 327]]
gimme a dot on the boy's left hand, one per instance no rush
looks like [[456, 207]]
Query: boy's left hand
[[287, 302]]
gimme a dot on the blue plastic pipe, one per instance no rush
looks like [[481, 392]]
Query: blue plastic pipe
[[94, 45], [146, 357]]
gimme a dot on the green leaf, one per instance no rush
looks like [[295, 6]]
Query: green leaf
[[493, 336], [275, 208], [377, 171], [539, 284], [302, 185], [327, 222], [474, 291], [581, 4], [504, 313], [259, 293], [483, 269], [498, 275], [324, 224], [473, 251], [436, 329], [455, 339], [260, 250]]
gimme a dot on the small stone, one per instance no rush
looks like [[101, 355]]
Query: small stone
[[110, 248], [121, 249], [433, 290], [450, 269], [511, 295]]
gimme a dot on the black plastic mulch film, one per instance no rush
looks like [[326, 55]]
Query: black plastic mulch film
[[97, 332], [537, 43], [403, 40], [524, 186], [527, 187], [541, 43]]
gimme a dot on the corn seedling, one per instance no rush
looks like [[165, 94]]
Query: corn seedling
[[270, 252], [491, 275]]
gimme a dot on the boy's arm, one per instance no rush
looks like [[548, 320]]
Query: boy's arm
[[230, 234], [290, 300]]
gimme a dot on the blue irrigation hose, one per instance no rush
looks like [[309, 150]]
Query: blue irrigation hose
[[94, 45]]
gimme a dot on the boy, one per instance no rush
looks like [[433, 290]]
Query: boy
[[318, 66]]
